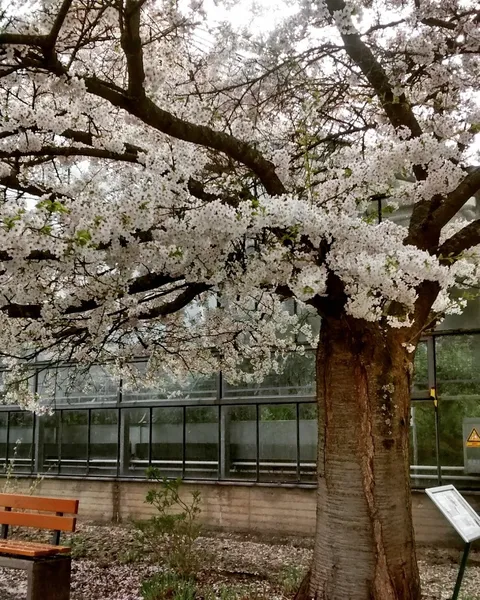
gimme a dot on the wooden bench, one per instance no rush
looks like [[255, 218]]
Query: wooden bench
[[48, 565]]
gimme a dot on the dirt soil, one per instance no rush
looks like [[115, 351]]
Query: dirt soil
[[108, 565]]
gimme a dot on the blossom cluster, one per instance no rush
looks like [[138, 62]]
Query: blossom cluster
[[111, 215]]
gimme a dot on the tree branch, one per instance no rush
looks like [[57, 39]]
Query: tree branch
[[456, 199], [142, 284], [67, 151], [58, 23], [398, 110], [154, 116], [466, 238], [181, 301], [132, 47]]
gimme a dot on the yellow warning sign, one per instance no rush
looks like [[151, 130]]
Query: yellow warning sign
[[473, 440]]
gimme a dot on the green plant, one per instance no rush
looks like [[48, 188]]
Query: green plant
[[171, 533], [291, 578], [130, 556], [227, 593], [12, 482], [79, 546], [168, 586]]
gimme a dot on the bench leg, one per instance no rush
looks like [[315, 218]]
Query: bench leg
[[50, 580]]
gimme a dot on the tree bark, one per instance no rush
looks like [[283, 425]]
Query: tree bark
[[364, 544]]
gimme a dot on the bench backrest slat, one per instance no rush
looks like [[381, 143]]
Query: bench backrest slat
[[40, 503], [37, 520]]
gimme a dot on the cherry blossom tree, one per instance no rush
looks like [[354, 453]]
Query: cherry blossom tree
[[164, 199]]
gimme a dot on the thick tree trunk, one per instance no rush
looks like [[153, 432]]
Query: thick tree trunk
[[364, 546]]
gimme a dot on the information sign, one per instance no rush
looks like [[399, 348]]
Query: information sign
[[457, 510]]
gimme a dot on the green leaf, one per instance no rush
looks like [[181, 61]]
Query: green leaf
[[83, 237]]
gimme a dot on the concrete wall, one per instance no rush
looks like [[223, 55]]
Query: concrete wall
[[254, 508]]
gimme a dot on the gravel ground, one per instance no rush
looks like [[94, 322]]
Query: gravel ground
[[105, 569]]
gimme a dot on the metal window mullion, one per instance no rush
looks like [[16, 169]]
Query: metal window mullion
[[33, 444], [219, 389], [184, 435], [219, 441], [60, 439], [37, 454], [257, 442], [432, 384], [89, 425], [150, 430], [297, 418], [220, 434], [8, 440], [120, 437], [120, 440]]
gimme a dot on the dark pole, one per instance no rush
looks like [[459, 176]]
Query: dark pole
[[432, 384], [463, 564]]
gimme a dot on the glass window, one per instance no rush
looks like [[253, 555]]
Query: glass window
[[167, 440], [296, 377], [423, 458], [468, 319], [20, 444], [71, 385], [135, 435], [49, 442], [239, 442], [458, 383], [3, 439], [74, 442], [278, 442], [308, 429], [103, 447], [420, 374], [201, 442], [458, 367], [193, 385]]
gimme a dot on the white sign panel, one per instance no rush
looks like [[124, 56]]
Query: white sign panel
[[457, 510]]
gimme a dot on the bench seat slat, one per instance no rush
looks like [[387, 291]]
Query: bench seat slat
[[33, 549], [41, 503], [38, 521]]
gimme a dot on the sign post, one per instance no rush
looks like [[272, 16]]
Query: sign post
[[463, 518]]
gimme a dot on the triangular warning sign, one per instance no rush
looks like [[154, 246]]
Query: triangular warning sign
[[473, 440]]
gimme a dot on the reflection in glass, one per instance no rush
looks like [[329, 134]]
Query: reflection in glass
[[296, 377], [278, 442], [420, 373], [103, 448], [458, 367], [135, 437], [239, 442], [468, 319], [423, 459], [74, 442], [70, 385], [168, 387], [307, 430], [49, 441], [201, 442], [458, 382], [167, 441], [20, 443]]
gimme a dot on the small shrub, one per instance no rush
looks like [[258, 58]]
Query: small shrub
[[168, 586], [171, 533], [130, 556], [290, 579], [227, 593], [79, 546], [12, 482]]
